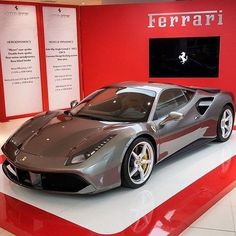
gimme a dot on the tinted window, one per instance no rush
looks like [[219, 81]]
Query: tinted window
[[117, 104], [170, 100]]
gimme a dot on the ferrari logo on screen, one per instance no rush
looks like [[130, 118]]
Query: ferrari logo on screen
[[183, 58]]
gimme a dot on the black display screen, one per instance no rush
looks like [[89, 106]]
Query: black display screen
[[184, 57]]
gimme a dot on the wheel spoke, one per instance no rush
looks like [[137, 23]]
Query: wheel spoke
[[224, 115], [227, 118], [134, 171], [222, 123], [141, 172], [223, 131], [145, 162], [135, 155], [144, 149]]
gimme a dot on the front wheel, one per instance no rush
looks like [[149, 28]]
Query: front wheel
[[138, 163], [225, 124]]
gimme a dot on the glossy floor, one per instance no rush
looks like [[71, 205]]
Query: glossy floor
[[219, 220], [185, 184]]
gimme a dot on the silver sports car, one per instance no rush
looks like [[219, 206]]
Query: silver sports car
[[115, 136]]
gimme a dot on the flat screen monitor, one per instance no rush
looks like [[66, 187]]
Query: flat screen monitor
[[184, 57]]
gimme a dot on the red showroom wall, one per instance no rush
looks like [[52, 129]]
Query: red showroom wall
[[115, 41]]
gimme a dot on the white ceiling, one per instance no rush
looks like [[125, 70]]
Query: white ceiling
[[92, 2]]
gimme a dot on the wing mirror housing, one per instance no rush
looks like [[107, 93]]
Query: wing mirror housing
[[73, 103], [172, 116]]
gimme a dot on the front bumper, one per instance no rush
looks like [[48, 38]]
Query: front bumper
[[97, 174], [48, 181]]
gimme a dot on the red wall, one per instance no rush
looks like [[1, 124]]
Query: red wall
[[115, 42]]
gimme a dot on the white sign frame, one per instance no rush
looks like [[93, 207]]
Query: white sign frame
[[62, 56], [20, 59]]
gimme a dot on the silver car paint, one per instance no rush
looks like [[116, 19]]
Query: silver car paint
[[103, 169]]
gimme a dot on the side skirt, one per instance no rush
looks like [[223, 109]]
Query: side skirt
[[192, 146]]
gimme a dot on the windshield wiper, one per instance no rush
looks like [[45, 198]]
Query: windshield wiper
[[91, 117]]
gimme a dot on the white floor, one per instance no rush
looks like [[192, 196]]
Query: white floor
[[220, 220], [128, 206]]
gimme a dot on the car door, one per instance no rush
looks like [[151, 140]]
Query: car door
[[176, 133]]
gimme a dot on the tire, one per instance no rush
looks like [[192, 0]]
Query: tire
[[138, 163], [225, 124]]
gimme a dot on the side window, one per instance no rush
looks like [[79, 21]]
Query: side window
[[170, 100]]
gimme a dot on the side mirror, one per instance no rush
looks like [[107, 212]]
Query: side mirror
[[74, 103], [172, 116]]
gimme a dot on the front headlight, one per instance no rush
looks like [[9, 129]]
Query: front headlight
[[78, 159], [83, 155]]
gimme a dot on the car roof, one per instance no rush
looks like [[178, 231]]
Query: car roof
[[157, 87]]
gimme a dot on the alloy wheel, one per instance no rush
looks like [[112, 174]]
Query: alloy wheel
[[226, 123], [140, 162]]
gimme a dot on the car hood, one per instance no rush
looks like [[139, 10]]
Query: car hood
[[55, 134]]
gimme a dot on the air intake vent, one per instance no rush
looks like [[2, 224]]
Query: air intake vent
[[203, 104]]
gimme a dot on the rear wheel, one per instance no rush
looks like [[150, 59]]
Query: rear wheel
[[225, 124], [138, 163]]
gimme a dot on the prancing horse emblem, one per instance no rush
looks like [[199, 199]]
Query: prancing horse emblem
[[183, 57]]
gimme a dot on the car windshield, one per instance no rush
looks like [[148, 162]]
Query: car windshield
[[117, 104]]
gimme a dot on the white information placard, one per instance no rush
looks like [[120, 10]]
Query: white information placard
[[60, 31], [20, 59]]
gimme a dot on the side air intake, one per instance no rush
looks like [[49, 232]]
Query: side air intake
[[203, 104]]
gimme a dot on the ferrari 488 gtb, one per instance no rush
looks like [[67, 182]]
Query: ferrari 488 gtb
[[115, 136]]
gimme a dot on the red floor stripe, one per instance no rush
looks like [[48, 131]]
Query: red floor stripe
[[2, 158], [23, 219]]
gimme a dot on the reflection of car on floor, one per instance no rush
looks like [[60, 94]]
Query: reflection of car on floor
[[114, 136]]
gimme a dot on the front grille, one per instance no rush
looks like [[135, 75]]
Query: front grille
[[63, 182], [60, 182]]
